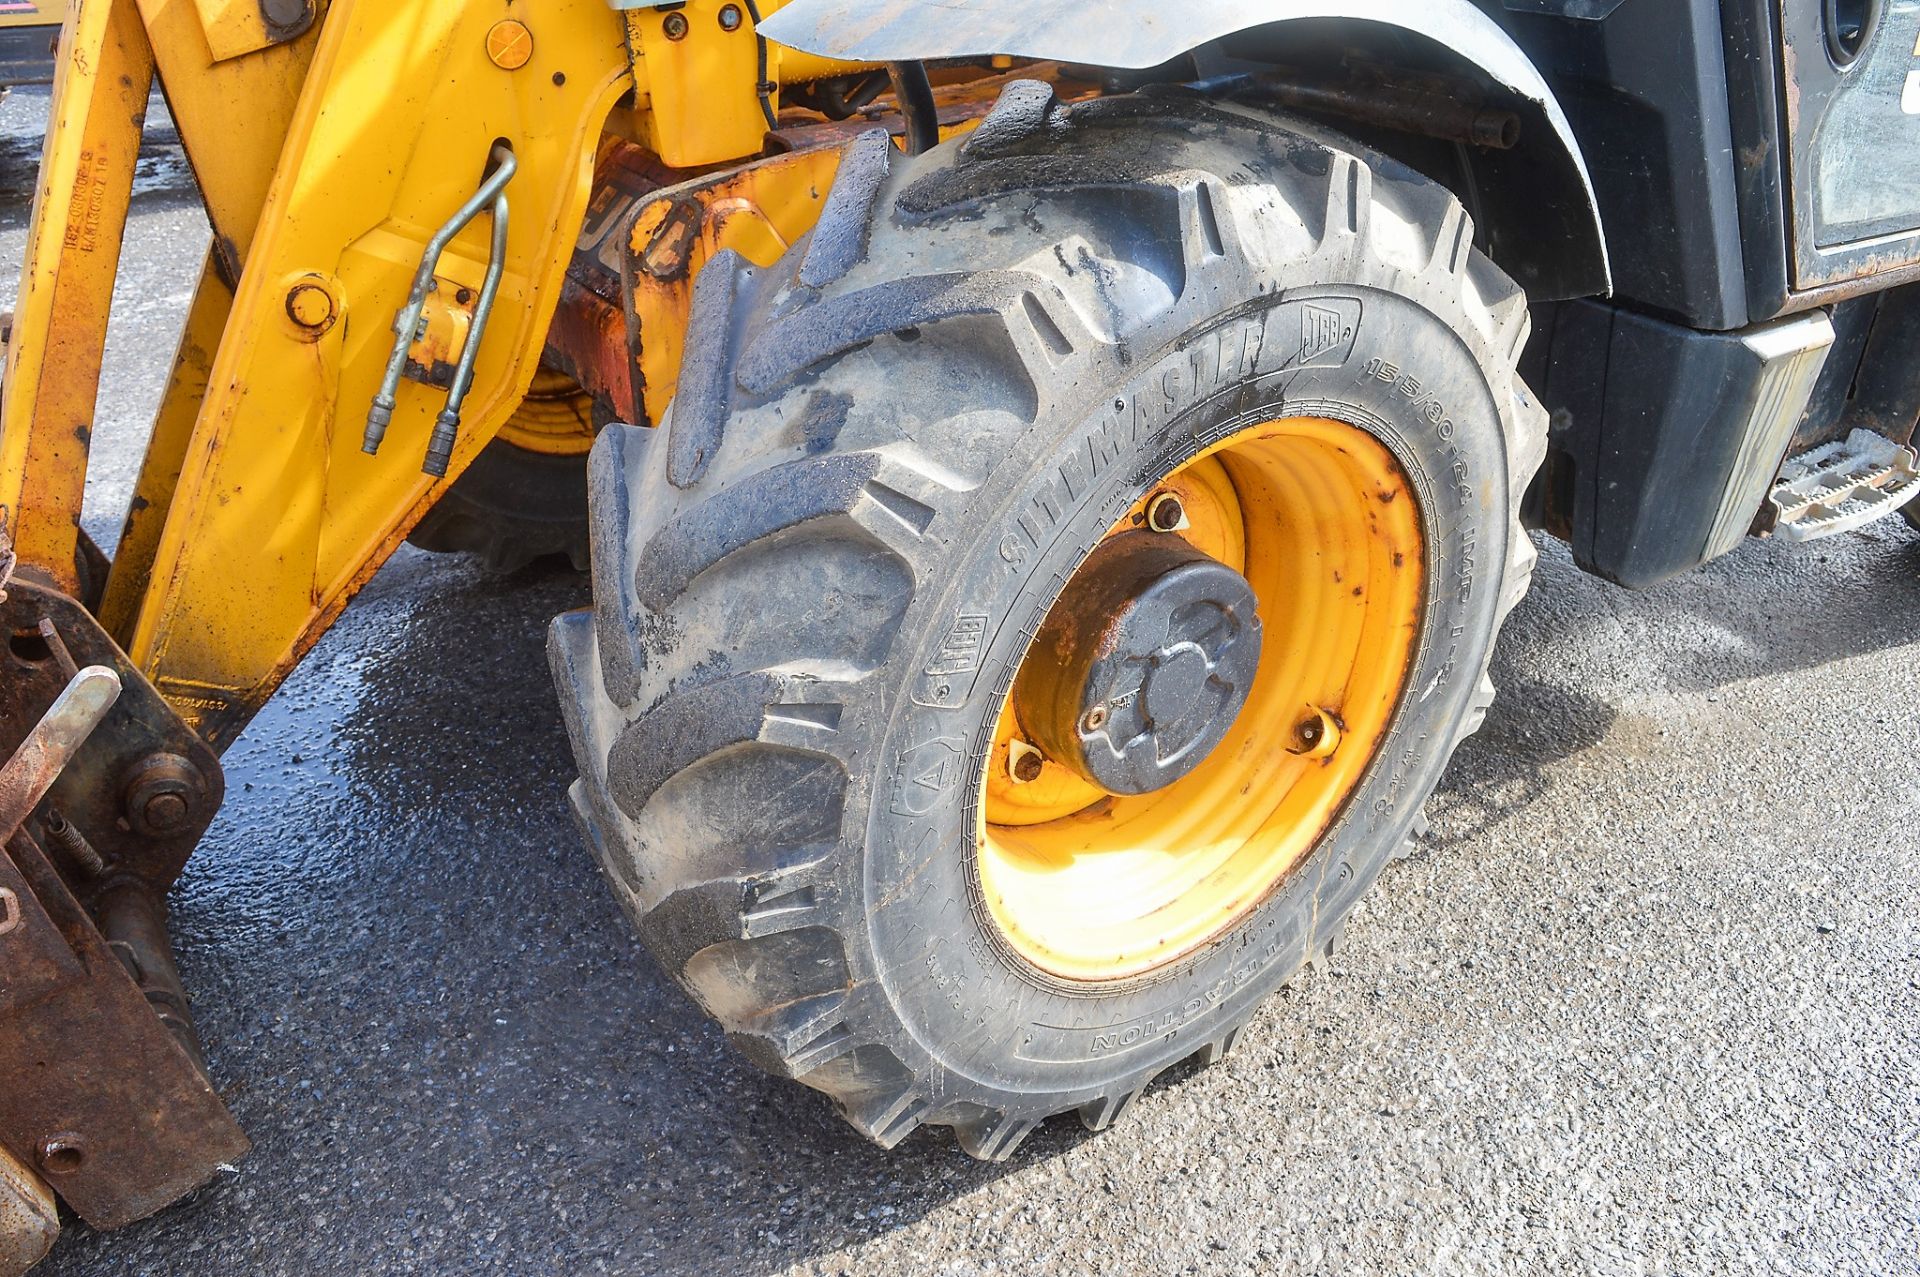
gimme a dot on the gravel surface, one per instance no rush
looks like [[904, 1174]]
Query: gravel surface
[[1646, 1001]]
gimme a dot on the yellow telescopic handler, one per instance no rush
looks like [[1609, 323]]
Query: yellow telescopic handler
[[1051, 475]]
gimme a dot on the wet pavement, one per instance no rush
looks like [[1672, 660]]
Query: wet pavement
[[1647, 1000]]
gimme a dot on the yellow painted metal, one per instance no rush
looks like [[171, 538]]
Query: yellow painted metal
[[44, 14], [1216, 526], [232, 117], [556, 417], [445, 323], [701, 82], [791, 66], [757, 211], [279, 517], [703, 72], [1323, 523], [103, 72], [233, 28], [166, 450], [232, 113]]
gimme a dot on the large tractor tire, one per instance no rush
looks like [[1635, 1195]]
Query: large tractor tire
[[1049, 601]]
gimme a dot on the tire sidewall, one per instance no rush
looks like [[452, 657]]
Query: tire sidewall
[[1368, 357]]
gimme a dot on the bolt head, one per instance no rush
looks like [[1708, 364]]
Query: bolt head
[[162, 794], [286, 18], [1316, 736], [311, 307], [674, 26], [1027, 765], [730, 17], [1165, 513], [166, 811]]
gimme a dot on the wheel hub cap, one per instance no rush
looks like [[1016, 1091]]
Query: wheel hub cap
[[1141, 676]]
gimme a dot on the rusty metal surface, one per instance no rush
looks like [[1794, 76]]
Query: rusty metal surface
[[591, 339], [650, 228], [101, 1098], [28, 1219], [38, 761], [104, 1091], [1852, 210], [142, 753], [36, 965]]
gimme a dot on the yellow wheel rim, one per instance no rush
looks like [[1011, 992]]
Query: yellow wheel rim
[[555, 418], [1322, 522]]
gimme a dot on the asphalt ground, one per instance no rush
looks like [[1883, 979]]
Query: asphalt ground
[[1646, 1001]]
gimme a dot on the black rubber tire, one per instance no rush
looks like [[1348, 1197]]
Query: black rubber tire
[[512, 505], [812, 585]]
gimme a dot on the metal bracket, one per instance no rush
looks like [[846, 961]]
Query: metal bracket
[[104, 793], [235, 28]]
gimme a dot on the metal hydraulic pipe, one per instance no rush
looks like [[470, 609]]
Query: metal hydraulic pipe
[[446, 427], [406, 324]]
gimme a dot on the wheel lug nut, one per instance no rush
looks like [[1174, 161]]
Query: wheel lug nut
[[1024, 762], [1165, 513], [1317, 735]]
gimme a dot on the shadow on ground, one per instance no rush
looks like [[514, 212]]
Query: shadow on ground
[[1696, 634]]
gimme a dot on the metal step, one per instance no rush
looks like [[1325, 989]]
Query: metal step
[[1841, 486]]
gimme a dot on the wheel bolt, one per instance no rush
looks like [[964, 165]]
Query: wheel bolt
[[1024, 762], [674, 26], [1166, 514], [161, 793], [165, 811], [1317, 735], [312, 307]]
